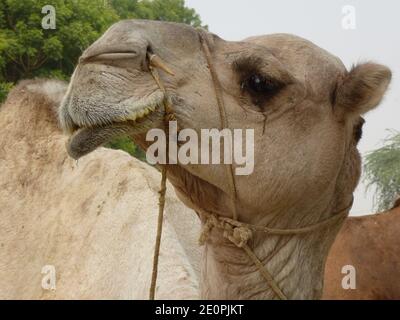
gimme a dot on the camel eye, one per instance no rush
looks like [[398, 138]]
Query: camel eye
[[260, 88], [257, 83]]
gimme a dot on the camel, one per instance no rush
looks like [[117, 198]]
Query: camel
[[371, 245], [93, 220], [304, 107], [56, 218]]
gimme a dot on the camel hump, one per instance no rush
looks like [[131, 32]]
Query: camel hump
[[52, 89], [32, 105]]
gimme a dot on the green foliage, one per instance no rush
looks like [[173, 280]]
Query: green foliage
[[27, 50], [382, 171], [126, 144], [5, 87], [164, 10]]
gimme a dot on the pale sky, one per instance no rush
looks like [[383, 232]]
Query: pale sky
[[376, 37]]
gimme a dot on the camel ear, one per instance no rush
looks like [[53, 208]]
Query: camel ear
[[362, 89]]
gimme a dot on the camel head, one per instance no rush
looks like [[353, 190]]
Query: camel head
[[304, 106]]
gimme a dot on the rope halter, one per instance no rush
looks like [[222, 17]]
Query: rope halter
[[238, 233]]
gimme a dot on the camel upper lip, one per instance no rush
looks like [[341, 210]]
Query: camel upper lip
[[128, 110], [131, 119]]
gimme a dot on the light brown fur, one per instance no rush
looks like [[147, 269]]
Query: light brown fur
[[94, 221], [371, 244], [306, 161]]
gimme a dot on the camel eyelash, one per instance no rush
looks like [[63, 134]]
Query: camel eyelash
[[256, 82], [247, 65]]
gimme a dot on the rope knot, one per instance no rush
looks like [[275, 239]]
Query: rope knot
[[238, 235], [210, 223]]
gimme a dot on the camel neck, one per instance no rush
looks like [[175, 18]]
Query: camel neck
[[296, 263]]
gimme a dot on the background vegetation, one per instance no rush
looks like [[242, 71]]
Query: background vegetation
[[27, 50], [382, 172]]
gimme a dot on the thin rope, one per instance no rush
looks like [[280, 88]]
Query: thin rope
[[168, 115], [237, 232], [240, 233], [161, 205], [264, 272], [222, 114], [275, 231]]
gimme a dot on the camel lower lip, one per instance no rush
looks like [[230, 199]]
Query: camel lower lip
[[86, 140]]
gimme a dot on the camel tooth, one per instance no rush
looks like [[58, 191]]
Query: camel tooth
[[141, 113], [133, 116]]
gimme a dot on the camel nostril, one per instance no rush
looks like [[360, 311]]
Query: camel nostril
[[109, 56]]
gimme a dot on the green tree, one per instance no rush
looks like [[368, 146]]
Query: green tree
[[27, 50], [4, 88], [163, 10], [382, 172]]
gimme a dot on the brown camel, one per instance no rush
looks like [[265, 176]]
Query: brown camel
[[304, 108], [359, 243], [370, 244]]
